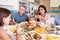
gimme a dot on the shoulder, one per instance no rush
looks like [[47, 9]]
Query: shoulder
[[48, 15], [14, 15], [58, 17], [1, 32]]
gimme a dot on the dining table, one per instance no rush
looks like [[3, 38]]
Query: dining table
[[47, 34]]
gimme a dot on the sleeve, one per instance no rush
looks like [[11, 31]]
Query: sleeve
[[56, 21]]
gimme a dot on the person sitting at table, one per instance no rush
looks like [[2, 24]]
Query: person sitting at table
[[33, 25], [21, 15], [5, 18], [57, 20], [29, 25], [43, 16]]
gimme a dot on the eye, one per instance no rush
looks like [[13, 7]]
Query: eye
[[40, 9], [22, 9], [29, 23]]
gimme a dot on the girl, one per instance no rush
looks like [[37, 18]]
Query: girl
[[5, 18]]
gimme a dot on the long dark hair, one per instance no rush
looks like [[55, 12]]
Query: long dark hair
[[3, 13], [43, 8]]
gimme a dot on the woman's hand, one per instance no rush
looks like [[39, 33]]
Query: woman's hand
[[41, 18], [38, 17]]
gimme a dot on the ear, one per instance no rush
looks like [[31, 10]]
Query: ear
[[4, 19]]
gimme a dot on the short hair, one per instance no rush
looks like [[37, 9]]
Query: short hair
[[3, 13], [42, 7], [23, 6]]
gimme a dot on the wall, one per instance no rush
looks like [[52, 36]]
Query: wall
[[46, 3], [26, 0], [10, 4], [54, 3]]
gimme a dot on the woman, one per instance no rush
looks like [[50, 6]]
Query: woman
[[42, 14], [4, 20]]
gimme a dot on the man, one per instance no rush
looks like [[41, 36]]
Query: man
[[57, 20], [20, 16]]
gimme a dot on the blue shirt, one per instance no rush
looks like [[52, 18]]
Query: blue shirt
[[19, 18], [57, 20]]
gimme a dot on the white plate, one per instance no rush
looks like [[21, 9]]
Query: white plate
[[42, 35], [58, 27]]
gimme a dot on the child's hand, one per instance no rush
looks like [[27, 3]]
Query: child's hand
[[18, 30]]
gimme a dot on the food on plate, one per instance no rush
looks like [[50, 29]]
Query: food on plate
[[33, 36], [48, 27], [51, 28], [52, 37], [58, 27], [13, 29], [40, 30], [37, 36]]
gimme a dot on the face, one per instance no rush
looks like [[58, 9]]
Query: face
[[42, 11], [22, 10], [6, 20], [32, 24]]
